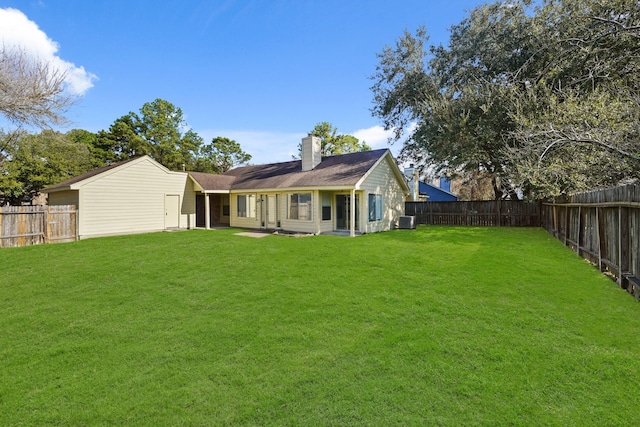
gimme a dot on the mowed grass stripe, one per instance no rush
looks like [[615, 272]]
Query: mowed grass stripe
[[440, 326]]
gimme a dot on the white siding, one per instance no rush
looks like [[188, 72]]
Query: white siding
[[382, 181], [131, 200]]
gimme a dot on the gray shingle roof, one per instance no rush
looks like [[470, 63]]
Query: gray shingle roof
[[336, 171], [210, 182], [86, 175]]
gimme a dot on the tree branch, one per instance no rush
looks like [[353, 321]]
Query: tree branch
[[31, 92]]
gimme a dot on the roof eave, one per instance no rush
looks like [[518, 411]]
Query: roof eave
[[56, 190], [215, 191], [298, 188], [196, 184]]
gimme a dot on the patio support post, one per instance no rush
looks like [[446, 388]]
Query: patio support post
[[207, 212], [352, 214], [317, 215]]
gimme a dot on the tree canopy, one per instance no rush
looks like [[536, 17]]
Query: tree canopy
[[543, 99], [30, 162], [332, 143], [221, 155], [160, 131], [35, 161]]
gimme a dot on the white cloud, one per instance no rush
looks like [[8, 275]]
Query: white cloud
[[16, 30], [264, 146], [375, 136]]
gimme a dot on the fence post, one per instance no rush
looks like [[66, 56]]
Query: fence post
[[623, 244], [598, 233], [567, 224], [619, 263], [579, 239], [541, 218], [430, 213], [45, 225], [466, 219]]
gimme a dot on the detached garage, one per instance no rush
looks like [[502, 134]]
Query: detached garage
[[134, 196]]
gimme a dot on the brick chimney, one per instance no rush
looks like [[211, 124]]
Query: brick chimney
[[311, 156]]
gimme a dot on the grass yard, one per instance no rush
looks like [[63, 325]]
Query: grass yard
[[438, 326]]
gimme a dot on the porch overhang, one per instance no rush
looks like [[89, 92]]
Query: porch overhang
[[292, 189], [202, 191]]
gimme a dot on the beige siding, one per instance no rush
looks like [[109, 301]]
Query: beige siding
[[382, 181], [315, 225], [63, 198], [301, 226], [132, 200], [235, 221], [326, 225]]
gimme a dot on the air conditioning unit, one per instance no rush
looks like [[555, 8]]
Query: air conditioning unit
[[407, 222]]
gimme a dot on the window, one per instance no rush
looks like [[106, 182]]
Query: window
[[225, 205], [326, 206], [246, 206], [300, 206], [375, 207]]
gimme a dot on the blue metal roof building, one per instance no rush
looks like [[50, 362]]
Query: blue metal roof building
[[435, 194], [428, 192]]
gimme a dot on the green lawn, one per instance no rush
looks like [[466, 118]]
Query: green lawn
[[438, 326]]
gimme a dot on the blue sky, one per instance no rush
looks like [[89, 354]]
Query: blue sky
[[260, 72]]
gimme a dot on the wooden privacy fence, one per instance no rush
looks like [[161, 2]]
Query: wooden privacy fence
[[493, 213], [32, 225], [602, 227]]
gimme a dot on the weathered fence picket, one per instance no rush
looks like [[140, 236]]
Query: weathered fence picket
[[32, 225], [490, 213], [602, 227]]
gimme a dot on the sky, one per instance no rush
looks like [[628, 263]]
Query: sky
[[263, 73]]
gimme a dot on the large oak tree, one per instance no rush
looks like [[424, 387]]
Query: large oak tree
[[544, 100]]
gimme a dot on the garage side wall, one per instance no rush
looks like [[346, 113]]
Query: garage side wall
[[132, 200]]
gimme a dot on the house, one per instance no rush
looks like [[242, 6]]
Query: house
[[311, 195], [354, 193], [426, 191]]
